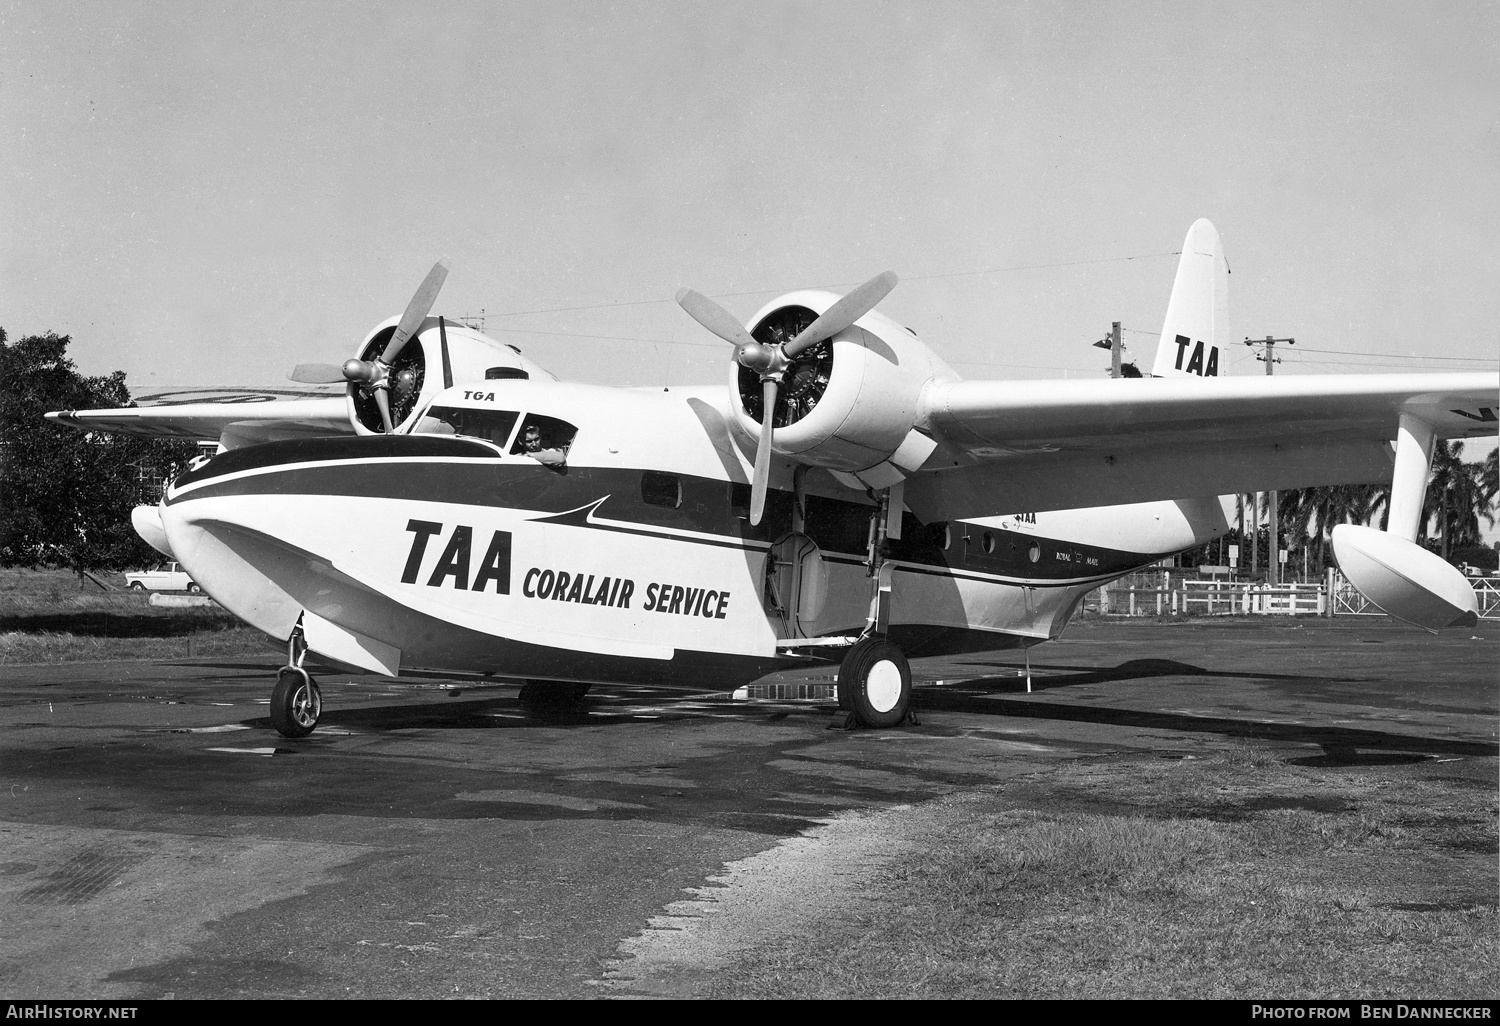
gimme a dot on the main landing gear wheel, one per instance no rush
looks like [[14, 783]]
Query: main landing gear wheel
[[875, 683], [551, 693], [296, 703]]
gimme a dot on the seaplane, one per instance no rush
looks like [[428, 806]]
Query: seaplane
[[845, 497]]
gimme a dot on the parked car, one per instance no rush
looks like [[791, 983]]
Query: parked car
[[166, 577]]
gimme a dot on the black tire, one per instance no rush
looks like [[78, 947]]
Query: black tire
[[193, 589], [137, 586], [875, 683], [296, 703], [551, 694]]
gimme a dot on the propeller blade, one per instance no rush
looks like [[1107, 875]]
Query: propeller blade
[[318, 374], [763, 451], [447, 361], [383, 400], [842, 314], [713, 317], [417, 310]]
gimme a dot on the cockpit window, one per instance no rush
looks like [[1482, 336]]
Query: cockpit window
[[489, 425], [545, 439]]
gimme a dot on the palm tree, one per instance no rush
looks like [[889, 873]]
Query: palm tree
[[1459, 495], [1310, 514]]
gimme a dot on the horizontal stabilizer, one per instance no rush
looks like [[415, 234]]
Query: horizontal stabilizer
[[1405, 580]]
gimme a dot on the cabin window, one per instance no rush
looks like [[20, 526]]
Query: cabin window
[[490, 425], [739, 500], [942, 536], [658, 489], [545, 439], [989, 544], [1034, 553]]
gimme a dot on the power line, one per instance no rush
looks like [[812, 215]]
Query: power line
[[1364, 364], [975, 363], [1398, 356], [1025, 366], [840, 285], [1027, 267], [613, 338]]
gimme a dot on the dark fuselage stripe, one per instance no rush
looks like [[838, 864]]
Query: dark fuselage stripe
[[705, 515]]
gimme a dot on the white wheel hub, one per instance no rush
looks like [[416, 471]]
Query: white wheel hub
[[883, 686], [306, 706]]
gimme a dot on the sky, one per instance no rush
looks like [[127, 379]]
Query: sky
[[209, 194]]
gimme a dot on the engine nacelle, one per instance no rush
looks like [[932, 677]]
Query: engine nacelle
[[440, 353], [847, 403]]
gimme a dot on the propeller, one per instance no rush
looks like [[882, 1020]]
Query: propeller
[[376, 374], [771, 361], [317, 373]]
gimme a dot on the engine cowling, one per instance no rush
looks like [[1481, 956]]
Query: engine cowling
[[418, 371], [847, 403]]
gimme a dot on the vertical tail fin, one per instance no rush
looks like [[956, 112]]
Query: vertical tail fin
[[1196, 312]]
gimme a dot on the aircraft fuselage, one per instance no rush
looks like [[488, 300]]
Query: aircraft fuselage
[[633, 560]]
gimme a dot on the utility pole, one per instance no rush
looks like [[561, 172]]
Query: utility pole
[[1273, 558], [1112, 343]]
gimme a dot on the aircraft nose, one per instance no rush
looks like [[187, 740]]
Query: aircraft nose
[[229, 561]]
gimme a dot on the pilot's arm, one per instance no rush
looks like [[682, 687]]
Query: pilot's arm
[[549, 457]]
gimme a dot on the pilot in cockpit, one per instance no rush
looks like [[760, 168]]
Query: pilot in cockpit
[[530, 444]]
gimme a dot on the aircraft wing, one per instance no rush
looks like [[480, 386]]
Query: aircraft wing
[[233, 419], [1033, 445]]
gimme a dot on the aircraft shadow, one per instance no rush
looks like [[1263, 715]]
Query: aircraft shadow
[[505, 711], [1342, 746], [1134, 669]]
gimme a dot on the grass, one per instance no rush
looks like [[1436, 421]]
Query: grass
[[1235, 877], [47, 616]]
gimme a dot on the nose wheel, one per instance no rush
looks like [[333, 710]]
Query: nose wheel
[[296, 702]]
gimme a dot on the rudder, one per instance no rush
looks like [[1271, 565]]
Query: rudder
[[1196, 312]]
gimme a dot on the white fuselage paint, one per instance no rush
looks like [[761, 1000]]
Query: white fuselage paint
[[407, 549]]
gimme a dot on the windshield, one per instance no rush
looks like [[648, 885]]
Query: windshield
[[490, 425]]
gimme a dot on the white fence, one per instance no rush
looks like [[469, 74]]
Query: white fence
[[1488, 590], [1161, 594]]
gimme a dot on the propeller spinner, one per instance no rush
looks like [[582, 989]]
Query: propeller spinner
[[771, 361], [375, 375]]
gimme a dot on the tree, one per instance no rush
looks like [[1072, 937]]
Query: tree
[[1458, 497], [1309, 515], [66, 495]]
